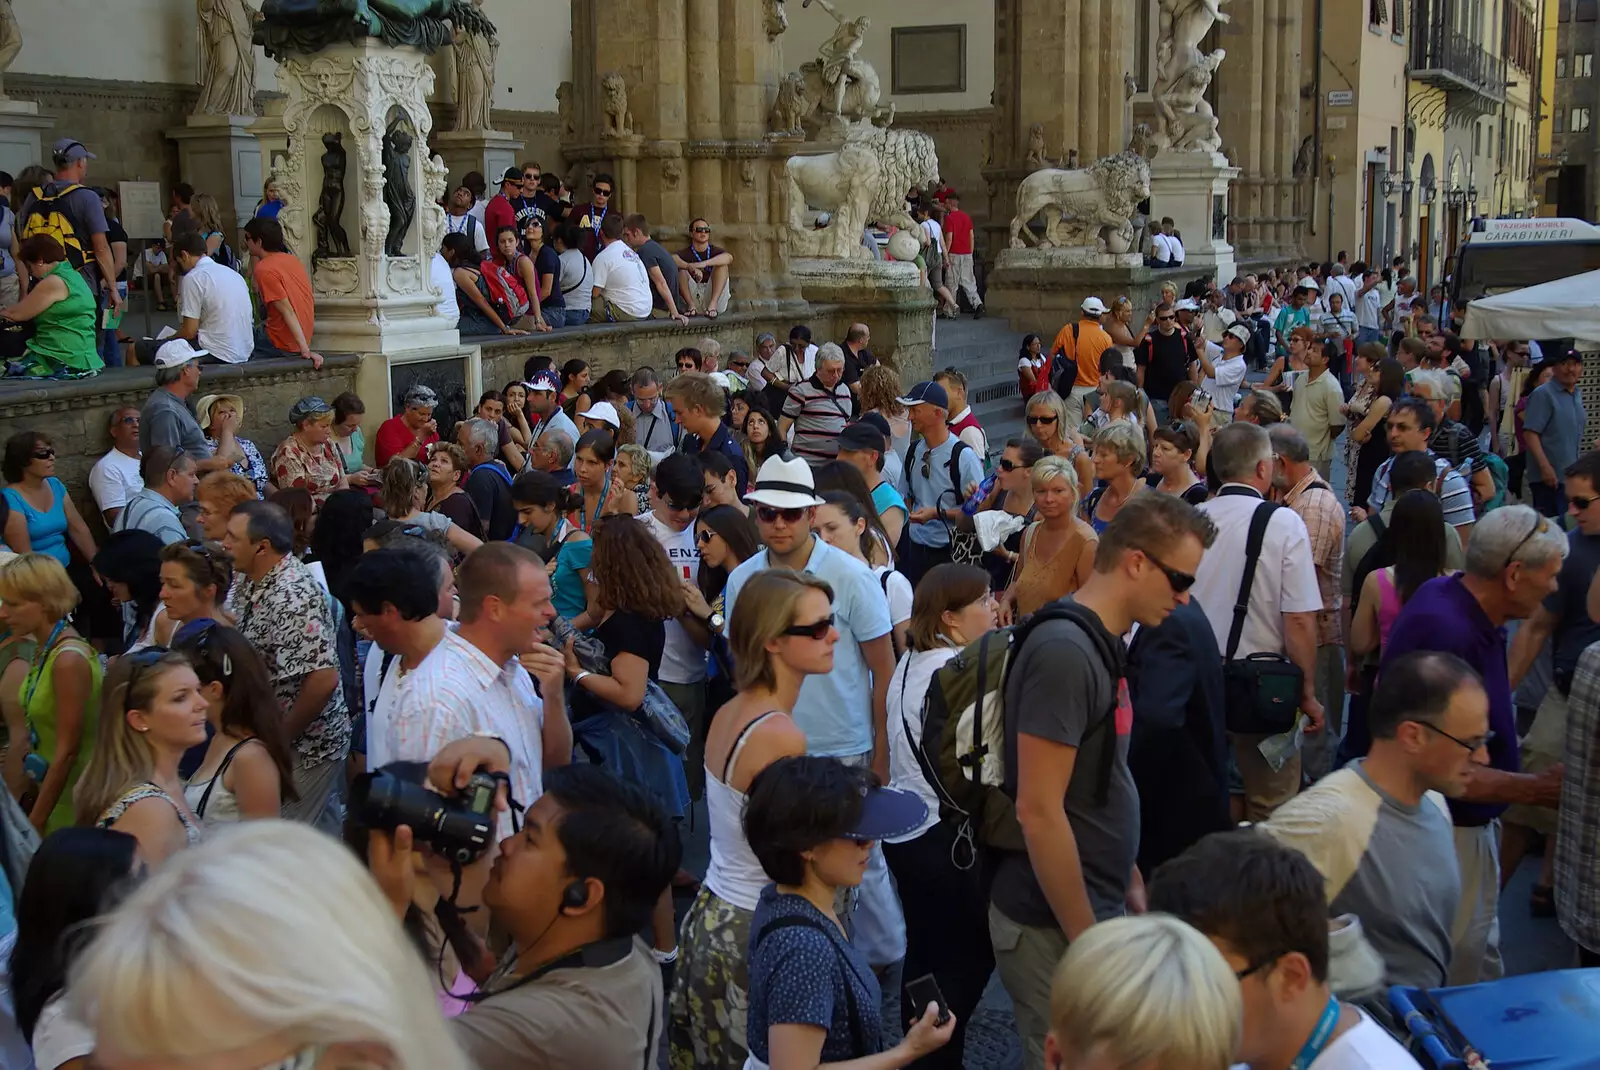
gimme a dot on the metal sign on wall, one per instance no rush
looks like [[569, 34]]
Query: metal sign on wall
[[1341, 98]]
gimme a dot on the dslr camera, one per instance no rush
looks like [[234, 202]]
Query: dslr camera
[[458, 828]]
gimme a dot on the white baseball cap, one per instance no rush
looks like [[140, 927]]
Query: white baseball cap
[[176, 352], [1186, 305], [603, 411], [1094, 306], [1241, 332], [1308, 283]]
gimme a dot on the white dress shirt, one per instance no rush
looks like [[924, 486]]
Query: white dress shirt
[[1285, 580]]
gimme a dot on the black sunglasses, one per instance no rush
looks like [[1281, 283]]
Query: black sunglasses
[[1540, 526], [530, 178], [704, 538], [1581, 503], [598, 192], [1471, 746], [700, 230], [1180, 581], [768, 515], [816, 630], [141, 660], [1008, 465], [1042, 419], [46, 454]]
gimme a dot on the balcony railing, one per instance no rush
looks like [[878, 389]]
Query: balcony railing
[[1455, 63]]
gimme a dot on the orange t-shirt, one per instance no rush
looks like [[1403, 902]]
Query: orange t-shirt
[[1092, 341], [280, 276]]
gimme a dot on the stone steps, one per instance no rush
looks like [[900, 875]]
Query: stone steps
[[985, 351]]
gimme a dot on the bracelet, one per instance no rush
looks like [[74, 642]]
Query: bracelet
[[578, 679]]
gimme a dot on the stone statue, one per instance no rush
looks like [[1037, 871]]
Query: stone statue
[[569, 129], [774, 19], [1304, 164], [398, 194], [671, 172], [331, 238], [302, 27], [838, 82], [614, 94], [1093, 207], [10, 41], [789, 108], [1130, 85], [1183, 74], [227, 58], [476, 47], [1187, 122], [863, 181], [1036, 157]]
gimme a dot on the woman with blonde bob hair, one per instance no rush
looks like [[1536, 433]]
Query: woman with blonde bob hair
[[321, 977], [1147, 992], [1119, 457], [782, 633], [1047, 422]]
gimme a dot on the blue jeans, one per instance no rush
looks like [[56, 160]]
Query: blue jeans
[[1550, 501], [574, 317], [110, 351], [265, 350], [1368, 334]]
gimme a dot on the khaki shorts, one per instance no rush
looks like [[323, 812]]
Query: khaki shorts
[[1541, 748]]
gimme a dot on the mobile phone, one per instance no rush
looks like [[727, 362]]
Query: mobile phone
[[925, 990]]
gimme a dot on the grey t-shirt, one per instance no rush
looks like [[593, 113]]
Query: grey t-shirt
[[1556, 415], [167, 421], [654, 255], [1059, 689], [1392, 865]]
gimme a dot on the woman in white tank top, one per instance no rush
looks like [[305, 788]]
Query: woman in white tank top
[[247, 765], [782, 633]]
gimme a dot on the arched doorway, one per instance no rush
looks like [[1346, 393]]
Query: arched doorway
[[1428, 187], [1453, 212]]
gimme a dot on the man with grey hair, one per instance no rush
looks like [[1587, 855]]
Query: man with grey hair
[[1513, 561], [818, 407], [655, 425], [857, 357], [1340, 282], [167, 418], [1451, 439], [1302, 489], [766, 349], [488, 482], [169, 483], [1284, 600]]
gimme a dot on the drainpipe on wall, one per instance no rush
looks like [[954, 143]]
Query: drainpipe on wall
[[1316, 144]]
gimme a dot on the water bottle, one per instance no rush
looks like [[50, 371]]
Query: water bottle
[[971, 505]]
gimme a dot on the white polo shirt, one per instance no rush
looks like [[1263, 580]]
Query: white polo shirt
[[621, 276], [1160, 248], [1285, 582], [219, 299]]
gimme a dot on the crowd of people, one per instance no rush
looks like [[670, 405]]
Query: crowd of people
[[958, 703]]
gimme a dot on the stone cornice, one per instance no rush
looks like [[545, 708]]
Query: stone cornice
[[101, 94]]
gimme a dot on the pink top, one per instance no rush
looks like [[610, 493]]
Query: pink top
[[1388, 605]]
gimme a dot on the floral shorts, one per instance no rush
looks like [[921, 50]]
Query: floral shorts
[[707, 1008]]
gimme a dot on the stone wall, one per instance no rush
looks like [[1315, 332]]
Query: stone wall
[[76, 415], [962, 139], [123, 123]]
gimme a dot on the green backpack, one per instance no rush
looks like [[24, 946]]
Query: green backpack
[[963, 746]]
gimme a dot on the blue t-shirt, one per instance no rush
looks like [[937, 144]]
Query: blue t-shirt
[[548, 262], [834, 709], [935, 488], [1556, 415], [1444, 616], [572, 561], [805, 975], [47, 531]]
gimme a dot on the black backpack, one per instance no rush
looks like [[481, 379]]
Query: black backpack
[[1064, 369]]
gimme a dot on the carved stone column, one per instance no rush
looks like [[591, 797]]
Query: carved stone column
[[367, 302], [1257, 92]]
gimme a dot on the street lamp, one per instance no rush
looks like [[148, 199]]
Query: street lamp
[[1429, 188], [1455, 196], [1387, 185], [1472, 195]]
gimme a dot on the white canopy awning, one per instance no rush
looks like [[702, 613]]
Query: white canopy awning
[[1565, 308]]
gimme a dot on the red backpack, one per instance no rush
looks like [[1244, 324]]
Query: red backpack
[[505, 290]]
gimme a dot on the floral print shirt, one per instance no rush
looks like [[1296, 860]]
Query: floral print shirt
[[289, 621], [316, 468], [253, 467]]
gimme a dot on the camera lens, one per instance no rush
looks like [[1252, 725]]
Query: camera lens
[[460, 831]]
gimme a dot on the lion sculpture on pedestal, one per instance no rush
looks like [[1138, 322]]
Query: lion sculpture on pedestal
[[1093, 206], [863, 182]]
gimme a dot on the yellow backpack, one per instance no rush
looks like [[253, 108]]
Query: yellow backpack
[[47, 215]]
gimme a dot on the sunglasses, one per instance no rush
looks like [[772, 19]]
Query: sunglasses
[[1165, 319], [141, 660], [598, 192], [1042, 419], [817, 630], [132, 421], [705, 536], [700, 230], [1580, 504], [680, 506], [768, 515], [1540, 527], [686, 365], [1008, 465], [527, 177], [44, 455], [1180, 581], [740, 364]]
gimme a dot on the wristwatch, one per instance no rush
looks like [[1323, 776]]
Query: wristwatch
[[716, 622]]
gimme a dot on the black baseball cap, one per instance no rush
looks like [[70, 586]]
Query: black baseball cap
[[513, 174], [862, 436]]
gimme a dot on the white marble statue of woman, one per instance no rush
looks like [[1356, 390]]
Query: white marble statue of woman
[[227, 58], [10, 41], [476, 48]]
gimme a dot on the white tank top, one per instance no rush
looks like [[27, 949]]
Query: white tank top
[[734, 875], [222, 807]]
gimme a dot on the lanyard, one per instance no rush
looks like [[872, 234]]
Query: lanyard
[[696, 253], [1320, 1035], [44, 656], [605, 492], [596, 220]]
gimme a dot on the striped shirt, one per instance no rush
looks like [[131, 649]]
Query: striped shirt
[[1454, 495], [457, 691], [1324, 518], [819, 414]]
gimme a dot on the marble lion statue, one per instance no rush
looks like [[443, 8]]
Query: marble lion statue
[[614, 94], [863, 182], [1094, 205], [790, 107]]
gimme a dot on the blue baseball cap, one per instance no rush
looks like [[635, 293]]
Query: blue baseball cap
[[887, 813], [927, 392]]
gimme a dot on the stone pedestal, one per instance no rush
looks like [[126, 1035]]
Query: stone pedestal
[[368, 302], [274, 139], [883, 294], [1192, 188], [21, 131], [1038, 290], [489, 152], [219, 154]]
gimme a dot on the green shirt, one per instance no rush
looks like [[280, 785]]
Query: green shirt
[[39, 704], [65, 333]]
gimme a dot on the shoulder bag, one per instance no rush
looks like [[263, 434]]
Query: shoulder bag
[[1262, 689]]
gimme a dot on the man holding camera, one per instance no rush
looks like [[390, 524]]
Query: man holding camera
[[571, 888], [478, 678]]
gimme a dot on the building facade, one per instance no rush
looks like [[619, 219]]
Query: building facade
[[1569, 171]]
